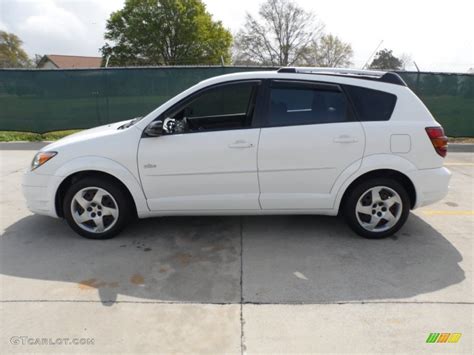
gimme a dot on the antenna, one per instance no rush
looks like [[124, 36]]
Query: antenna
[[373, 53]]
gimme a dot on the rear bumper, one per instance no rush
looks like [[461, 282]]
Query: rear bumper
[[39, 192], [431, 185]]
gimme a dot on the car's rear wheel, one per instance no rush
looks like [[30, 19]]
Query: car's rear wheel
[[377, 208], [96, 208]]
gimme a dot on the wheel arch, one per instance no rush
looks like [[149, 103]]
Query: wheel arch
[[398, 176], [71, 179], [103, 167]]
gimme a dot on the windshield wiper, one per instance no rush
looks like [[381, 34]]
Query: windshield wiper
[[131, 123]]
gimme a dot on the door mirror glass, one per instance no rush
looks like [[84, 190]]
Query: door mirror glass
[[154, 129], [170, 126]]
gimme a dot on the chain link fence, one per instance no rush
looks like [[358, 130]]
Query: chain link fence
[[42, 101]]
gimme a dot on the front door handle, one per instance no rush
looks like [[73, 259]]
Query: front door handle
[[345, 139], [240, 144]]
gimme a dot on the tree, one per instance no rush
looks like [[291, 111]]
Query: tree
[[279, 36], [37, 60], [384, 59], [406, 60], [329, 51], [165, 32], [11, 53]]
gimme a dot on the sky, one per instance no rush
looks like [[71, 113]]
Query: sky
[[438, 35]]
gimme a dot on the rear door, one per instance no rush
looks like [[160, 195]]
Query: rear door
[[310, 137]]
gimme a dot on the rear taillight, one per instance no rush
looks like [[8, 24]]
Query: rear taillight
[[439, 140]]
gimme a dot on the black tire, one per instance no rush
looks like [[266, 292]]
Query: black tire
[[121, 198], [361, 189]]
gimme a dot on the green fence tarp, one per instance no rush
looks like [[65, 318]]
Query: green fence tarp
[[49, 100]]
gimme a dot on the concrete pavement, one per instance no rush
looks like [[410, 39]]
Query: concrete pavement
[[237, 284]]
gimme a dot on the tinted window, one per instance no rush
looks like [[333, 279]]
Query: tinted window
[[223, 107], [294, 103], [222, 100], [372, 105]]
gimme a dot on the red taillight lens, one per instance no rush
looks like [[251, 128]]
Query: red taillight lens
[[439, 140]]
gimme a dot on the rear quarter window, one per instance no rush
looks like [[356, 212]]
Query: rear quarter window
[[371, 105]]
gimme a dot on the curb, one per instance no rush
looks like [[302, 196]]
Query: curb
[[22, 145], [460, 148]]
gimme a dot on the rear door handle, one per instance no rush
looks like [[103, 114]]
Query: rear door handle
[[345, 139], [240, 144]]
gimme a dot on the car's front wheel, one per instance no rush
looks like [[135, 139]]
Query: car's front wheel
[[96, 208], [377, 208]]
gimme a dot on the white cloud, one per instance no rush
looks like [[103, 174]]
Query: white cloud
[[3, 26], [436, 34], [59, 26], [50, 26]]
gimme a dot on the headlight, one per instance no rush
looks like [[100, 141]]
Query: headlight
[[41, 158]]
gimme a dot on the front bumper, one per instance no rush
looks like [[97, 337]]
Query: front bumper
[[431, 185], [40, 191]]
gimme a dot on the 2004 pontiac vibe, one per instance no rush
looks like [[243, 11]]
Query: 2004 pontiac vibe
[[293, 141]]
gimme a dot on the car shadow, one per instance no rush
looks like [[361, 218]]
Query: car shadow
[[280, 259]]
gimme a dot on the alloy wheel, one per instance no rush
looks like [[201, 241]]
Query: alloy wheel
[[379, 209], [94, 210]]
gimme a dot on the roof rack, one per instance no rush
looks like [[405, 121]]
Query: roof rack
[[377, 75]]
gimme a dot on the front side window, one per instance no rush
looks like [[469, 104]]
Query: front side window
[[306, 103], [228, 106]]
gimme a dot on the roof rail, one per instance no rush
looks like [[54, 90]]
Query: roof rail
[[377, 75]]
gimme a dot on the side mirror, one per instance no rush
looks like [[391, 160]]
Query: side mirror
[[154, 129]]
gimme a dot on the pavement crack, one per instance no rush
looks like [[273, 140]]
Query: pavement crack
[[242, 321], [13, 172], [242, 303]]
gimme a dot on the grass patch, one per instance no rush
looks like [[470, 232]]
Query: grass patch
[[13, 136], [469, 140]]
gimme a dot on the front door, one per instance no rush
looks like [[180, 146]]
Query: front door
[[207, 159], [310, 138]]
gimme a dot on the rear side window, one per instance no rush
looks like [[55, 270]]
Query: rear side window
[[371, 105], [294, 103]]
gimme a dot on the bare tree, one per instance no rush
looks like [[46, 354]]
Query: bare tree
[[329, 51], [279, 36], [406, 60], [37, 60]]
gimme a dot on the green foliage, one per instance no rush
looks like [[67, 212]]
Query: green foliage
[[12, 136], [384, 59], [11, 53], [331, 52], [165, 32]]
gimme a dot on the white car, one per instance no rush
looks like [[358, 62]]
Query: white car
[[293, 141]]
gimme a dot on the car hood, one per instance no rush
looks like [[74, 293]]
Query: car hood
[[86, 135]]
